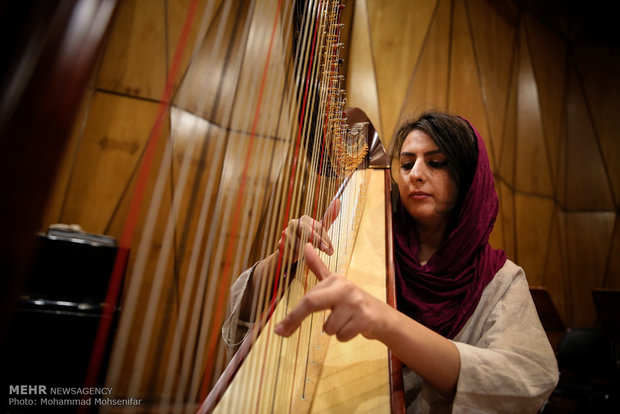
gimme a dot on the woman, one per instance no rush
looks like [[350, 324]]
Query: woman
[[466, 327]]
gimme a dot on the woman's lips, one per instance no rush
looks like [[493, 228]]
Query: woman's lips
[[419, 195]]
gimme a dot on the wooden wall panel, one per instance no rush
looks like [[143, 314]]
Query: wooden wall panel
[[532, 173], [150, 293], [555, 277], [198, 149], [588, 239], [465, 94], [134, 61], [587, 185], [532, 226], [361, 79], [204, 15], [263, 92], [398, 30], [257, 183], [612, 276], [114, 137], [548, 55], [507, 152], [494, 47], [602, 93], [496, 238], [56, 202], [428, 87], [209, 85], [507, 216]]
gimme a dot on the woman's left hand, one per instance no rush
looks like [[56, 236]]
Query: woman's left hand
[[353, 310]]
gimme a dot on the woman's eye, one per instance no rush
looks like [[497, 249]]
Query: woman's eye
[[437, 164], [406, 166]]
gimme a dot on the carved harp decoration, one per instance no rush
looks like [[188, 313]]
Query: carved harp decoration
[[258, 135]]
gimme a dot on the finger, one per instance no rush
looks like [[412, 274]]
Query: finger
[[314, 263], [330, 215], [314, 301], [321, 241], [336, 320], [347, 331], [316, 235]]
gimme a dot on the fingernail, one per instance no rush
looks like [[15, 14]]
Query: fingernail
[[279, 329], [325, 247]]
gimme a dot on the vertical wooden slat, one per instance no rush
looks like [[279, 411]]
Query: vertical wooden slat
[[111, 147], [587, 188], [494, 38], [532, 226], [612, 277], [361, 77], [507, 215], [548, 54], [175, 15], [465, 94], [134, 62], [398, 30], [428, 85], [588, 237], [555, 277], [602, 94], [532, 173]]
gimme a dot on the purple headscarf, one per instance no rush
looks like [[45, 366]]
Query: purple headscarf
[[444, 293]]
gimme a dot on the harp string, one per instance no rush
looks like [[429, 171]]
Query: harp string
[[288, 19], [319, 189], [295, 174], [189, 295], [136, 201], [148, 236], [293, 200], [226, 273], [315, 161], [200, 347], [289, 203]]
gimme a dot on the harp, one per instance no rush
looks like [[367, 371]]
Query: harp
[[255, 126], [309, 372]]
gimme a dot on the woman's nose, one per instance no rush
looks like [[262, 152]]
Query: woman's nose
[[418, 171]]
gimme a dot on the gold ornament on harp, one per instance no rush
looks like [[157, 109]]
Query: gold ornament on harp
[[350, 148], [347, 144]]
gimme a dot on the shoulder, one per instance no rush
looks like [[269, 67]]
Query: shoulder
[[510, 270], [510, 278], [506, 295]]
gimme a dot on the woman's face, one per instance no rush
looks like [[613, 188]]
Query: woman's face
[[426, 187]]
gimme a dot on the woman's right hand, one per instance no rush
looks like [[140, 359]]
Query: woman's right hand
[[304, 230], [297, 233]]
